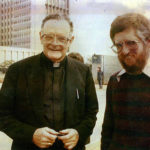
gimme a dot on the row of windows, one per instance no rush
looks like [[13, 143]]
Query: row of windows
[[21, 43], [5, 36], [21, 36], [6, 10], [21, 14], [5, 24], [6, 30], [7, 4], [22, 28], [54, 10], [20, 7], [6, 16], [21, 21], [58, 3], [6, 43], [20, 1], [17, 44]]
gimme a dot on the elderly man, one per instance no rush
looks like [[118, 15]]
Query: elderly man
[[126, 121], [48, 101]]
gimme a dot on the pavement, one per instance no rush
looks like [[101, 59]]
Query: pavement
[[5, 141], [96, 135]]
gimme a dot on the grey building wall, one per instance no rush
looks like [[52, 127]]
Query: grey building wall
[[109, 65]]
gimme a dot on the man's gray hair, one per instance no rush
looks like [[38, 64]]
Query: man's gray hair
[[58, 17]]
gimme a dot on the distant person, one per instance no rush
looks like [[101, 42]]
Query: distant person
[[126, 123], [100, 77], [76, 56], [48, 101]]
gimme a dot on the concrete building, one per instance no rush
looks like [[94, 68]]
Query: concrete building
[[21, 20], [109, 65], [15, 23], [57, 6]]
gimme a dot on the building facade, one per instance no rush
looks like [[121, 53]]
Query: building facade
[[57, 6], [109, 65], [15, 23], [21, 20]]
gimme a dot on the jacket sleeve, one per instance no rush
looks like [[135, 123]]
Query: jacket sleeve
[[85, 128], [9, 124], [107, 127]]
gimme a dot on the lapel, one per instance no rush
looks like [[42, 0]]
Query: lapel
[[35, 87]]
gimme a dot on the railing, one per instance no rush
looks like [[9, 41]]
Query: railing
[[9, 55], [15, 54]]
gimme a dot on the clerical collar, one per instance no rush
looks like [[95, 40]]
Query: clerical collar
[[47, 62]]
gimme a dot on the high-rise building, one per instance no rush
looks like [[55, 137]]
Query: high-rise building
[[15, 23], [20, 20], [57, 6]]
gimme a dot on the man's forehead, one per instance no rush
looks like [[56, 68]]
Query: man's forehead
[[128, 34], [56, 26]]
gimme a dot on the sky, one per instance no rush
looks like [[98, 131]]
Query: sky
[[92, 20]]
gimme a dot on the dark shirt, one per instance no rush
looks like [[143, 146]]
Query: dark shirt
[[22, 101], [99, 75], [54, 96], [54, 93], [127, 115]]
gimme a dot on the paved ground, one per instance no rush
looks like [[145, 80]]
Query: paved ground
[[5, 141], [95, 137]]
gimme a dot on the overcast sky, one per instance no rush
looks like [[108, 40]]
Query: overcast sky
[[92, 20]]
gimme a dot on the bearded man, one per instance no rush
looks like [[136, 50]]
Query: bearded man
[[126, 121]]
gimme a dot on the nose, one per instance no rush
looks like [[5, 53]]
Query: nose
[[55, 41], [125, 49]]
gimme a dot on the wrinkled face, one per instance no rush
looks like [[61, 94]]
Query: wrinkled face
[[56, 38], [132, 51]]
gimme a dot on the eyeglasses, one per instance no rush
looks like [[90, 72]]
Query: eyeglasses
[[117, 48], [51, 37]]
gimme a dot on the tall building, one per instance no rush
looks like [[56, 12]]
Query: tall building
[[15, 23], [57, 6], [20, 20], [6, 23]]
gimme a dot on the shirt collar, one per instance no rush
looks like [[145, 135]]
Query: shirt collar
[[146, 71]]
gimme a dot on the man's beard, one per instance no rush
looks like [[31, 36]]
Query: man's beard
[[138, 66]]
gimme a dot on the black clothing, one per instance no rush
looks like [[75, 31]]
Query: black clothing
[[22, 101]]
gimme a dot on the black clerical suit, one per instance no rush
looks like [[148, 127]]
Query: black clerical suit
[[22, 101]]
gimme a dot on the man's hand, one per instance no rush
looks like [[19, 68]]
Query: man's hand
[[69, 137], [44, 137]]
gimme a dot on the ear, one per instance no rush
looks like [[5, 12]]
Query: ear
[[40, 35], [71, 40]]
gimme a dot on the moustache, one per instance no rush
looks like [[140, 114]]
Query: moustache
[[55, 47]]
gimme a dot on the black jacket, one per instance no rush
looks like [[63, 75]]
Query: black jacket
[[21, 105]]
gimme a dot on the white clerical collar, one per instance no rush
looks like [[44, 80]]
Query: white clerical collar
[[123, 71], [55, 65]]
